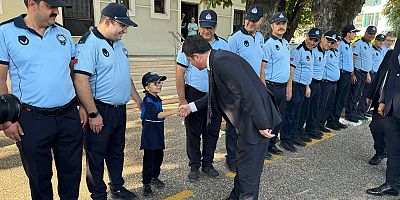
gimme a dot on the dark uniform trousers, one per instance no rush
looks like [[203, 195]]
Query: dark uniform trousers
[[392, 140], [378, 132], [328, 92], [152, 160], [363, 107], [309, 109], [356, 90], [250, 165], [196, 129], [279, 91], [107, 145], [290, 120], [343, 88], [230, 143], [45, 130]]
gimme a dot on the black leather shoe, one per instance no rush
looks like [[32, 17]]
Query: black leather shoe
[[275, 150], [287, 145], [268, 156], [147, 192], [315, 136], [351, 119], [123, 193], [382, 190], [376, 159], [231, 166], [325, 130], [193, 174], [157, 183], [304, 137], [333, 126], [210, 171], [299, 142], [342, 125]]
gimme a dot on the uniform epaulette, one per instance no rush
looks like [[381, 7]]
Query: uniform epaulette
[[8, 21], [222, 39], [84, 38], [59, 25], [299, 47], [234, 32]]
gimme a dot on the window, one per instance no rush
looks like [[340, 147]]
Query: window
[[370, 19], [79, 17], [238, 19], [372, 2], [124, 2], [358, 20], [159, 6]]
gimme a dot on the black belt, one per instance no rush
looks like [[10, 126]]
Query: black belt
[[298, 84], [51, 111], [316, 81], [327, 81], [276, 84], [98, 102], [344, 72], [361, 71]]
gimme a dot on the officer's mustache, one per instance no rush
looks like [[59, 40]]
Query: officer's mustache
[[281, 29], [53, 15]]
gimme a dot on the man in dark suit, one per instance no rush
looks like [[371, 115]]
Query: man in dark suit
[[244, 101], [389, 107]]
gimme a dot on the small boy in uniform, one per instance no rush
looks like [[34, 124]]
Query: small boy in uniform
[[152, 141]]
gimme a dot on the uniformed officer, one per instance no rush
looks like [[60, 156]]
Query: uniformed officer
[[104, 86], [330, 76], [277, 72], [362, 52], [345, 51], [39, 55], [389, 107], [377, 57], [311, 106], [191, 85], [301, 60], [247, 42]]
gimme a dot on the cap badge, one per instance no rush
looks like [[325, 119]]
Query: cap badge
[[254, 10], [208, 16], [281, 16], [334, 36], [317, 32]]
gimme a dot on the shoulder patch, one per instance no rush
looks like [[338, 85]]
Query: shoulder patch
[[84, 38], [7, 21]]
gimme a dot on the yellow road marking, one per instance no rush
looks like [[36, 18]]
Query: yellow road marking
[[230, 174], [324, 137], [181, 195]]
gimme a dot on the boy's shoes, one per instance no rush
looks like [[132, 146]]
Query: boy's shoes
[[210, 171], [193, 174], [157, 183], [147, 192], [123, 193]]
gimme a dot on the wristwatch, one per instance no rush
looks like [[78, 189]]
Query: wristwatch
[[93, 114]]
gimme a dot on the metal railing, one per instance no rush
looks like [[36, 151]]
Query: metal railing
[[178, 41]]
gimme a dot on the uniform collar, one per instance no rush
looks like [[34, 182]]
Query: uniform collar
[[276, 38], [304, 46], [152, 97], [364, 40], [376, 48], [345, 41], [97, 33], [244, 31], [19, 22]]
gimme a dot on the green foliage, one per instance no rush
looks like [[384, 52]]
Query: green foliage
[[215, 3], [392, 12]]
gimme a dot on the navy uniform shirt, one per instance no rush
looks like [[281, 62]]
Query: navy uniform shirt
[[363, 52], [345, 56], [195, 77], [153, 127], [302, 60], [248, 47], [332, 71], [38, 65], [377, 58], [319, 62], [107, 64], [277, 54]]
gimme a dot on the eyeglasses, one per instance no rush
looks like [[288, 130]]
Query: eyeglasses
[[123, 26], [332, 42], [157, 83]]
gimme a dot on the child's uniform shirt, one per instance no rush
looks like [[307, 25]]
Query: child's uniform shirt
[[153, 127]]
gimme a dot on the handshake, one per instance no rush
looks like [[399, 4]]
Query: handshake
[[184, 110]]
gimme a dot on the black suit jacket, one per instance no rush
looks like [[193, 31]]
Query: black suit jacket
[[391, 90], [240, 96]]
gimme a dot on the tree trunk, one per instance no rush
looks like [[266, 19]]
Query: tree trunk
[[335, 14]]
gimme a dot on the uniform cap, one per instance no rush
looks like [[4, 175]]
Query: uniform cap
[[118, 12], [208, 18], [372, 30], [150, 77], [380, 37], [331, 36], [255, 12], [349, 29], [315, 33], [279, 17]]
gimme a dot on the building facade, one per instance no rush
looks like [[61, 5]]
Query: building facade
[[371, 15]]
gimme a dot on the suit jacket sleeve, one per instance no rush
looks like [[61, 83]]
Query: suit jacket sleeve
[[238, 82], [202, 103]]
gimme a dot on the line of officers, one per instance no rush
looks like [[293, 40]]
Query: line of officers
[[312, 84]]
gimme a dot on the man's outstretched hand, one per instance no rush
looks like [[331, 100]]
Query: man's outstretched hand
[[184, 110]]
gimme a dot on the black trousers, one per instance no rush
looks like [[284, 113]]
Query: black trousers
[[108, 146], [343, 88], [363, 107], [230, 143], [355, 95], [279, 91], [328, 92], [309, 109], [250, 163], [378, 132], [290, 120], [152, 160], [196, 129], [392, 140], [61, 133]]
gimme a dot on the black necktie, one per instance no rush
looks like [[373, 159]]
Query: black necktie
[[209, 110]]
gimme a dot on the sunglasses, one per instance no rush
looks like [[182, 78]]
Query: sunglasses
[[157, 83]]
